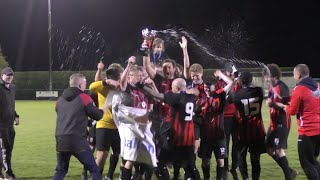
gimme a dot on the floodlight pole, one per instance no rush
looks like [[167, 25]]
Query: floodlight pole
[[50, 46]]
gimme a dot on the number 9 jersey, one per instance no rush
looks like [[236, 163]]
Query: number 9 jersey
[[181, 117], [248, 101]]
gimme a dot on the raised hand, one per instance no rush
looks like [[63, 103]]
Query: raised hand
[[100, 65], [217, 73], [183, 43], [131, 60]]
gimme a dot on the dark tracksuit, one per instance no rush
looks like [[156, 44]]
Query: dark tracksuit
[[7, 117], [73, 109]]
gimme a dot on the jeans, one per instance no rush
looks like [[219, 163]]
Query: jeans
[[85, 157]]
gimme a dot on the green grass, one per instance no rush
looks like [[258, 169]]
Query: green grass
[[34, 150]]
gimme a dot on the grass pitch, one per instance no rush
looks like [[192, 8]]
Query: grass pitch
[[34, 150]]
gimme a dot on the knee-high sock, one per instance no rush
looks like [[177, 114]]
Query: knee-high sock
[[283, 163], [113, 164], [125, 173]]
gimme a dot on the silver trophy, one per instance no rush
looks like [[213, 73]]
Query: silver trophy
[[148, 37]]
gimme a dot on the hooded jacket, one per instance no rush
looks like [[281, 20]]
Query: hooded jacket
[[73, 109], [305, 103], [7, 105]]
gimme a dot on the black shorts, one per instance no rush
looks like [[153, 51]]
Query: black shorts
[[92, 136], [278, 138], [178, 153], [257, 147], [106, 138], [217, 146]]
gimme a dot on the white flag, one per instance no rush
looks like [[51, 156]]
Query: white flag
[[134, 129]]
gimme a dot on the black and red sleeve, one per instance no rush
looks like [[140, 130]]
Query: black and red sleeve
[[92, 111]]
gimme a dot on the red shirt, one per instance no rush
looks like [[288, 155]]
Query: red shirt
[[230, 109], [305, 103]]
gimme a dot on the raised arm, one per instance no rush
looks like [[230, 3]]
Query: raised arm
[[124, 76], [186, 61], [147, 65], [226, 79], [148, 81], [150, 92], [98, 76]]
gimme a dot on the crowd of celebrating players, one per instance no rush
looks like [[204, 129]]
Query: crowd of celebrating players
[[191, 117]]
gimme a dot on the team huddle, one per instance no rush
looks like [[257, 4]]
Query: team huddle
[[163, 114]]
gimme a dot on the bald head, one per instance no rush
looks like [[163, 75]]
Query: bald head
[[178, 85], [77, 80], [300, 72]]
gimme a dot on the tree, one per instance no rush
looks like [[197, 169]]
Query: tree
[[3, 62]]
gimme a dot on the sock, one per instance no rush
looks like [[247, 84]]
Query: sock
[[125, 173], [176, 169], [283, 163], [206, 171], [113, 164], [219, 172]]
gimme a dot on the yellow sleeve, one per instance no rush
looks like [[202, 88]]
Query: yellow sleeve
[[97, 87]]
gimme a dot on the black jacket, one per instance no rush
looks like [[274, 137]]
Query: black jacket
[[73, 109], [7, 105]]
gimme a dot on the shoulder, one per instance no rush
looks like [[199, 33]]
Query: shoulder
[[281, 84], [85, 98]]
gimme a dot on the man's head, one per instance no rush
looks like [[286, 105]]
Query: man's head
[[178, 84], [245, 78], [212, 86], [78, 80], [135, 74], [178, 70], [196, 73], [114, 71], [272, 73], [231, 70], [300, 72], [158, 45], [7, 75], [168, 68]]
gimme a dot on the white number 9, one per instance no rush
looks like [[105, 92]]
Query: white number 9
[[189, 111]]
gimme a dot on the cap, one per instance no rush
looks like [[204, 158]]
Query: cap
[[7, 71], [230, 67]]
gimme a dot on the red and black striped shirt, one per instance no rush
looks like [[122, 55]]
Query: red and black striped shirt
[[181, 115], [199, 86], [136, 97], [162, 110], [212, 109], [278, 117]]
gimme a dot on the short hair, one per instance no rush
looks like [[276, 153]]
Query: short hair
[[303, 69], [116, 66], [274, 70], [169, 61], [136, 69], [179, 66], [197, 68], [76, 79], [246, 78], [157, 41]]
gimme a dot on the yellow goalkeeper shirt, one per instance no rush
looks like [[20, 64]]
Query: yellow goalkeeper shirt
[[106, 121]]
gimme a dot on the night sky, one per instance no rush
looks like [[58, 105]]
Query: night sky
[[282, 32]]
